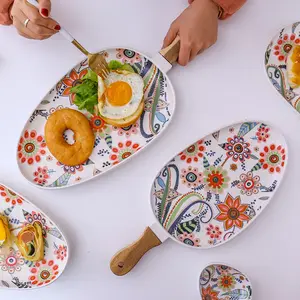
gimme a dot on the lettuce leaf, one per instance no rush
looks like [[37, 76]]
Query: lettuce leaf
[[116, 65], [86, 92]]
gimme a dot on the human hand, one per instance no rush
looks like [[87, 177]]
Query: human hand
[[197, 27], [39, 27]]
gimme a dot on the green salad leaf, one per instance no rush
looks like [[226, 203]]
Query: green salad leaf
[[87, 92], [116, 65]]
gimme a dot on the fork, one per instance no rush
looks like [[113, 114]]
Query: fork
[[96, 61]]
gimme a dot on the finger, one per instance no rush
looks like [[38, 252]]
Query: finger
[[37, 29], [34, 16], [184, 54], [45, 8], [26, 32], [171, 35], [191, 1], [195, 51], [24, 35]]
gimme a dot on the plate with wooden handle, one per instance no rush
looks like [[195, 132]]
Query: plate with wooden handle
[[113, 145], [212, 190]]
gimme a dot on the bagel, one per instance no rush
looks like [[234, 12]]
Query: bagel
[[57, 124]]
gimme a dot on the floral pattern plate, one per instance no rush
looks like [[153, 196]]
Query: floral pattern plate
[[112, 145], [17, 272], [275, 63], [221, 282], [215, 188]]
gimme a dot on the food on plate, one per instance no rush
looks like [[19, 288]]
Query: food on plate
[[62, 120], [5, 235], [119, 97], [293, 67], [30, 242]]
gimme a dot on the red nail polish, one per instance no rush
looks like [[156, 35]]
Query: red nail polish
[[57, 27], [45, 12]]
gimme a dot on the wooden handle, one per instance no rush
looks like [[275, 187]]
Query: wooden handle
[[171, 53], [125, 260]]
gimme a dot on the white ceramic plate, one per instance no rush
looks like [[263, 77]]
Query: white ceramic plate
[[17, 272], [275, 63], [113, 145]]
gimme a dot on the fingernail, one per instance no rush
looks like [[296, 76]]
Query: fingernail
[[45, 12], [57, 27]]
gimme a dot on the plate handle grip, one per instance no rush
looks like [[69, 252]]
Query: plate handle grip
[[171, 52], [125, 260]]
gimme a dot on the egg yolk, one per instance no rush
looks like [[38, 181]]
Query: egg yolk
[[2, 231], [118, 93], [296, 65]]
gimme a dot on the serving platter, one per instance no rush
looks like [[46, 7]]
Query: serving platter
[[15, 271], [212, 190], [113, 146], [276, 63]]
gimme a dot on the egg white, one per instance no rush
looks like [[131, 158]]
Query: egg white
[[119, 112]]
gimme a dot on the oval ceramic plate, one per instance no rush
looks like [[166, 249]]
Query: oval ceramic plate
[[219, 281], [212, 190], [215, 188], [275, 62], [17, 272], [112, 145]]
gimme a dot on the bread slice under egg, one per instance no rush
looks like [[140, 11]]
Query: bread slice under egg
[[292, 76], [124, 122]]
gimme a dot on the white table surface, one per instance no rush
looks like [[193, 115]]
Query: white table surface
[[224, 85]]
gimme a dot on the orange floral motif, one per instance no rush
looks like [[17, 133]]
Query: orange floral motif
[[209, 294], [193, 152], [232, 212], [72, 80], [273, 158], [43, 272], [10, 196], [123, 151], [31, 147]]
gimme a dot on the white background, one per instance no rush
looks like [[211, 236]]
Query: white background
[[224, 85]]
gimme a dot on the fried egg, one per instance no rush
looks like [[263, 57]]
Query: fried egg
[[293, 67], [120, 94]]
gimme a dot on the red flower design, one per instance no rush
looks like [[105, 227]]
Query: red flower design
[[10, 196], [123, 151], [72, 80], [209, 294], [30, 147], [262, 134], [41, 175], [273, 158], [43, 272], [189, 239], [193, 152], [284, 46], [232, 212], [214, 232], [61, 252]]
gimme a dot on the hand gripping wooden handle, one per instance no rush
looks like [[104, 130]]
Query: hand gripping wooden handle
[[125, 260], [171, 53]]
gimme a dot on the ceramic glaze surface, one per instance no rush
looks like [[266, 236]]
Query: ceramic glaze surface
[[276, 63], [220, 282], [113, 145], [215, 188], [16, 271]]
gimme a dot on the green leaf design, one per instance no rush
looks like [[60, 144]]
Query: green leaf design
[[205, 163], [61, 181], [164, 197], [55, 232], [237, 294], [253, 156], [256, 167], [246, 127], [44, 102]]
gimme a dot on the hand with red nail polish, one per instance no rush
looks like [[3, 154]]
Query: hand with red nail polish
[[39, 26]]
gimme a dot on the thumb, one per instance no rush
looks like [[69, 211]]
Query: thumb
[[45, 8], [171, 35]]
